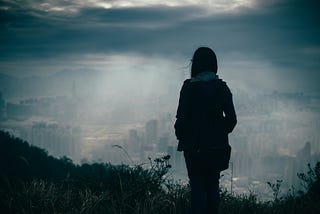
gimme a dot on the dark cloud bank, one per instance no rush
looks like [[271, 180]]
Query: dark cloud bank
[[285, 34]]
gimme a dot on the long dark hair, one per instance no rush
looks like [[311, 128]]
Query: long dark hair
[[204, 59]]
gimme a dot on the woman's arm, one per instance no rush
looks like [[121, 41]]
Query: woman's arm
[[229, 112], [182, 112]]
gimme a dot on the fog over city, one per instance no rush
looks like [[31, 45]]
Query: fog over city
[[99, 81]]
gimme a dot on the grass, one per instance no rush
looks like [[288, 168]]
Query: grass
[[129, 190], [33, 182], [138, 190]]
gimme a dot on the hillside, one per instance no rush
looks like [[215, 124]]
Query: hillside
[[31, 181]]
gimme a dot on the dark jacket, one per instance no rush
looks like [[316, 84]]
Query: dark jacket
[[205, 115]]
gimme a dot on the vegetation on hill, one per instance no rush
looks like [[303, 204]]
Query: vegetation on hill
[[31, 181]]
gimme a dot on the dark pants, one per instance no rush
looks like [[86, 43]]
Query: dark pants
[[204, 183]]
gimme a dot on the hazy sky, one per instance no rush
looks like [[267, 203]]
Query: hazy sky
[[271, 44]]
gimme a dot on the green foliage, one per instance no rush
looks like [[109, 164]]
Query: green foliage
[[311, 180], [31, 181], [275, 189], [230, 203], [128, 190], [39, 183]]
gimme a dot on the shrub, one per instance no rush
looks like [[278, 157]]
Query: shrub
[[59, 186]]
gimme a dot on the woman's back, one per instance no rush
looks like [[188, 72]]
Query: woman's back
[[205, 117], [204, 123]]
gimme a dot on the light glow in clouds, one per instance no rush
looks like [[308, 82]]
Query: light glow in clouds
[[74, 5]]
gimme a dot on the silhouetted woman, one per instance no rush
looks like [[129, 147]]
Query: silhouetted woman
[[205, 117]]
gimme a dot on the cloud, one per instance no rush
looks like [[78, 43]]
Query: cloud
[[75, 5], [283, 33], [142, 29]]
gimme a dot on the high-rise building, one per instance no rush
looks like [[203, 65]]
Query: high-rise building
[[57, 139], [133, 142], [152, 132], [163, 143]]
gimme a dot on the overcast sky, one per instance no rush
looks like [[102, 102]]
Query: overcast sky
[[272, 44]]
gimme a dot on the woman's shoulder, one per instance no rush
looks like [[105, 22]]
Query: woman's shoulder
[[187, 81], [225, 87], [216, 83]]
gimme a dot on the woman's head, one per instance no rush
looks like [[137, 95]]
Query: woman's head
[[204, 59]]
